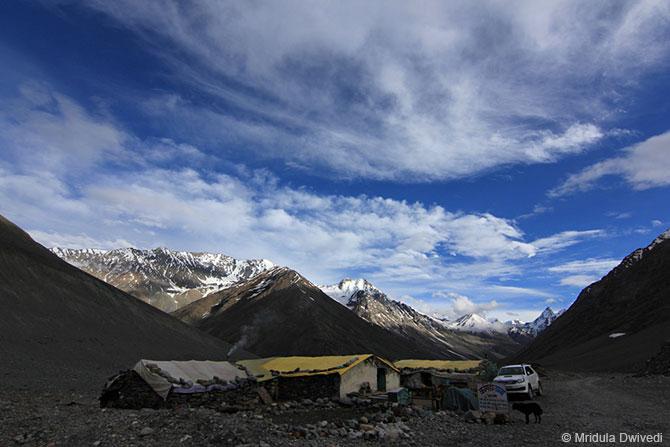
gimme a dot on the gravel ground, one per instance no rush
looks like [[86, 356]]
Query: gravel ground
[[572, 404]]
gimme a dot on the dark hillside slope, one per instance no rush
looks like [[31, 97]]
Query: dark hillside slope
[[62, 326], [633, 299], [281, 313]]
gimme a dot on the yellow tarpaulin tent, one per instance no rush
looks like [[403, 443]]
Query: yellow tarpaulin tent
[[298, 366], [455, 365]]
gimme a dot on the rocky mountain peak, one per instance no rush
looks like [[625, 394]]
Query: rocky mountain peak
[[165, 278], [343, 291], [639, 253]]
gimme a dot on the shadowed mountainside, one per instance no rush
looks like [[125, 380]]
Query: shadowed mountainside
[[58, 323], [617, 323], [281, 313]]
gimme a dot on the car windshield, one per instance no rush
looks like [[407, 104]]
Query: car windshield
[[511, 371]]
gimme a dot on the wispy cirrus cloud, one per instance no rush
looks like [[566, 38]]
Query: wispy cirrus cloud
[[642, 166], [387, 90], [583, 272]]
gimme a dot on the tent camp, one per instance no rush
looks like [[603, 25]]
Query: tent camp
[[189, 377], [440, 365], [328, 376], [151, 383], [440, 383], [425, 373]]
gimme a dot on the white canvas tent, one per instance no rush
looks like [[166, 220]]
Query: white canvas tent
[[189, 376]]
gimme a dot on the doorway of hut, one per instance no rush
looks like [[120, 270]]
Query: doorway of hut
[[381, 379]]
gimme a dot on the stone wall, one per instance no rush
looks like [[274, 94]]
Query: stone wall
[[129, 391], [308, 387]]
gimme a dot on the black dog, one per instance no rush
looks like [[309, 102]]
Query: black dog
[[527, 408]]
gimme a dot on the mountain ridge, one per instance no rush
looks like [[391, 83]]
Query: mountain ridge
[[279, 313], [166, 279], [371, 304], [616, 323], [57, 318]]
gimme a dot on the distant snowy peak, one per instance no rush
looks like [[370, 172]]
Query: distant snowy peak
[[159, 257], [532, 328], [641, 252], [343, 291], [164, 278], [515, 328], [372, 304], [476, 323]]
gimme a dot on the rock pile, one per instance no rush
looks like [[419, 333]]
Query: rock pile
[[379, 426]]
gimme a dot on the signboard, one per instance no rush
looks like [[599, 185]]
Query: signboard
[[493, 398]]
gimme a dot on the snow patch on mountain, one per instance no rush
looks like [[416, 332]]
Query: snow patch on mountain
[[164, 278], [345, 289], [476, 323], [372, 304]]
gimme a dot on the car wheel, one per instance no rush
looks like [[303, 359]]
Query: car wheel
[[539, 389], [531, 395]]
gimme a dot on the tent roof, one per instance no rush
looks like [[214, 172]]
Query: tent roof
[[456, 365], [189, 371], [298, 366]]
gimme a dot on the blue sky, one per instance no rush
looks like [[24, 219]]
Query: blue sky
[[463, 156]]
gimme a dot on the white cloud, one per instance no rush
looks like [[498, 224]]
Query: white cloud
[[656, 223], [581, 273], [464, 305], [524, 314], [564, 239], [434, 92], [603, 265], [405, 247], [453, 305], [52, 239], [501, 290], [45, 131], [643, 166], [297, 227], [619, 216], [580, 281]]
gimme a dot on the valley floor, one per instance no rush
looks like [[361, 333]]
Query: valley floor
[[573, 403]]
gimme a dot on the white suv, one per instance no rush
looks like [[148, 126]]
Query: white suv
[[519, 379]]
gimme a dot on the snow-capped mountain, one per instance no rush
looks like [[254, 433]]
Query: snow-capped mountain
[[531, 329], [164, 278], [519, 330], [476, 323], [345, 289], [435, 334], [370, 303], [468, 334], [353, 292]]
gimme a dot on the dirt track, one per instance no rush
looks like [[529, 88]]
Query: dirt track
[[577, 403], [572, 403]]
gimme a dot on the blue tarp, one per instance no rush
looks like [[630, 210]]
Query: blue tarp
[[459, 399]]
